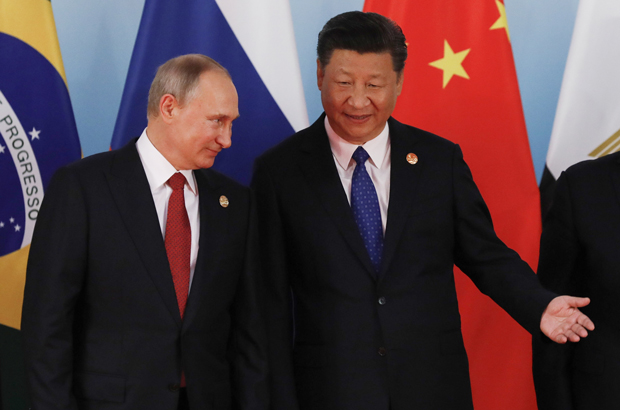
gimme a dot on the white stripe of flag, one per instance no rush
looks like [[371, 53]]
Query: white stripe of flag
[[265, 31]]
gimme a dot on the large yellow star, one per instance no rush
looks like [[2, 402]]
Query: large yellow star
[[451, 63], [502, 21]]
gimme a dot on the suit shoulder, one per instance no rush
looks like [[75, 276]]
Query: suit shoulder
[[288, 146], [99, 160], [417, 134], [406, 138], [86, 167], [217, 179], [284, 156], [104, 160], [594, 168]]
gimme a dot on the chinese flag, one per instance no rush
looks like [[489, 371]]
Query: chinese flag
[[461, 83]]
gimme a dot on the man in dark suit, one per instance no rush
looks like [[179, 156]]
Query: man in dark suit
[[361, 220], [579, 254], [141, 288]]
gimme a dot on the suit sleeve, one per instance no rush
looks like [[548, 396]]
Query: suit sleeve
[[54, 278], [250, 344], [557, 270], [278, 304], [496, 270]]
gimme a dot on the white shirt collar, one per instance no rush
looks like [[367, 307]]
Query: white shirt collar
[[343, 150], [157, 168]]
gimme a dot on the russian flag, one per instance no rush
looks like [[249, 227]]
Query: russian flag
[[253, 39]]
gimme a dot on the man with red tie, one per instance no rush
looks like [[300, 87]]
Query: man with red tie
[[142, 289]]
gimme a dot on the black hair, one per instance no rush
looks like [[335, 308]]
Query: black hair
[[364, 33]]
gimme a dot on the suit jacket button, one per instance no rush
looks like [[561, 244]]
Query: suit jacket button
[[174, 387], [382, 300], [382, 351]]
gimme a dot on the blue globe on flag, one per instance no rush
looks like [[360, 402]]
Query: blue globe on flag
[[38, 135]]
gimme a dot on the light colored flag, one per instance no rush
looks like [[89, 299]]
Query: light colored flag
[[587, 120]]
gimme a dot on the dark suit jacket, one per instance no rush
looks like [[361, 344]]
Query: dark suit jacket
[[361, 343], [101, 323], [580, 255]]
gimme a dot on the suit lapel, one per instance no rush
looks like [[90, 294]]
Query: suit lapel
[[615, 176], [319, 169], [132, 194], [213, 228], [404, 182]]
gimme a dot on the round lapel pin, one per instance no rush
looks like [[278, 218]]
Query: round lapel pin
[[224, 201], [412, 158]]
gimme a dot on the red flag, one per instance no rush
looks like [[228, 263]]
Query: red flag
[[461, 83]]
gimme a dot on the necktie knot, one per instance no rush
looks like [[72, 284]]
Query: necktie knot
[[360, 156], [177, 181]]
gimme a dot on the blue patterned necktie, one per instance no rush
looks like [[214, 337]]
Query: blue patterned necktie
[[365, 206]]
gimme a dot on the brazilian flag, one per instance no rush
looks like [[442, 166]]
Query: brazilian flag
[[38, 135]]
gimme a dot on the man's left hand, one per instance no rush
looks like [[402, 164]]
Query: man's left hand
[[563, 321]]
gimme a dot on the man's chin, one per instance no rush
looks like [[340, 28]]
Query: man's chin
[[359, 135], [206, 163]]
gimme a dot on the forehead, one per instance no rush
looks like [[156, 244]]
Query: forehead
[[352, 62], [215, 88], [215, 80]]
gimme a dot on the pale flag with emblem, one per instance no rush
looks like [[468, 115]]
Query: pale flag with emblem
[[38, 135], [587, 119]]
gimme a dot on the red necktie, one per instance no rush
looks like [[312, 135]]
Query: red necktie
[[178, 240]]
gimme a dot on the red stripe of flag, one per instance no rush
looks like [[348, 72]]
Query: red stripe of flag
[[461, 83]]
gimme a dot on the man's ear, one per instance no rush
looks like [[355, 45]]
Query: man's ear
[[399, 82], [319, 74], [167, 105]]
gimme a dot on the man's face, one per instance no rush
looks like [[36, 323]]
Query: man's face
[[358, 92], [202, 127]]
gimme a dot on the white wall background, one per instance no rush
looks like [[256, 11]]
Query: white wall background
[[97, 38]]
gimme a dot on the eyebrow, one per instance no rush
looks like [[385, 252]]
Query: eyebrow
[[220, 115], [343, 71]]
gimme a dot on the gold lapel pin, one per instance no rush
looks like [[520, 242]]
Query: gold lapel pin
[[224, 201], [412, 158]]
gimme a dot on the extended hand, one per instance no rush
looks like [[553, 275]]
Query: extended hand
[[563, 321]]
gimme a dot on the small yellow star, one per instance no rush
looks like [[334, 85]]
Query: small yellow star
[[451, 63], [502, 21]]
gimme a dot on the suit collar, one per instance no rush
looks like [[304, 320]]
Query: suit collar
[[615, 176], [404, 181], [132, 194], [213, 229], [321, 174], [342, 150], [157, 168], [317, 165]]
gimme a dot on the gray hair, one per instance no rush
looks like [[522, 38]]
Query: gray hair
[[179, 77]]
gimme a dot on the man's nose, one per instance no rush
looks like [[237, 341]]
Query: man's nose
[[359, 97], [225, 137]]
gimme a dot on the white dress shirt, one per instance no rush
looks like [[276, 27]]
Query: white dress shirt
[[158, 171], [378, 165]]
